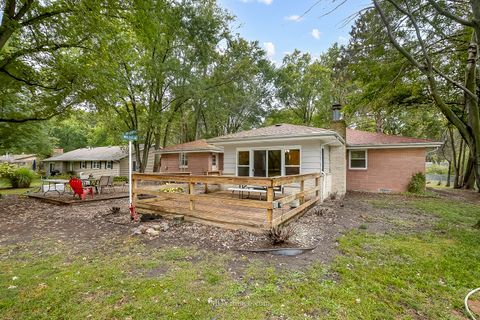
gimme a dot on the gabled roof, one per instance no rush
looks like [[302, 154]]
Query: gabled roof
[[194, 146], [16, 157], [112, 153], [358, 138], [277, 131]]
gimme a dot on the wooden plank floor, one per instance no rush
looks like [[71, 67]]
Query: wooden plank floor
[[213, 211]]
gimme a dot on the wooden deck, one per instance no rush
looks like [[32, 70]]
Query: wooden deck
[[205, 199]]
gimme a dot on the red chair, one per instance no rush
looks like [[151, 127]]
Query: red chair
[[77, 187]]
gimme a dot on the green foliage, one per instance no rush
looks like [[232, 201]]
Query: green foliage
[[417, 183], [437, 169], [120, 179], [7, 169], [21, 177]]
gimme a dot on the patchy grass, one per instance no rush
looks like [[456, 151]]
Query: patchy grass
[[6, 188], [424, 275]]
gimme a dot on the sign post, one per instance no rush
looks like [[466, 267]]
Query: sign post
[[130, 136]]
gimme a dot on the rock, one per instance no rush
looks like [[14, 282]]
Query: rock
[[152, 232], [156, 227], [164, 226]]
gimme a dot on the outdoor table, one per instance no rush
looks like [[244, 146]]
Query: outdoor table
[[54, 182], [92, 182]]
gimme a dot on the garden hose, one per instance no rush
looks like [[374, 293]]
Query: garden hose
[[470, 313]]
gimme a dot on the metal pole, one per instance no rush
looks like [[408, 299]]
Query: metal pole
[[130, 172]]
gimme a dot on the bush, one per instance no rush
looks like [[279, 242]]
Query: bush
[[120, 179], [21, 178], [417, 183], [6, 170]]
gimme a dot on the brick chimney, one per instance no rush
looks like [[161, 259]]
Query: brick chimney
[[338, 123]]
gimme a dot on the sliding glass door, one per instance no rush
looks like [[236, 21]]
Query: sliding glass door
[[259, 163], [268, 163]]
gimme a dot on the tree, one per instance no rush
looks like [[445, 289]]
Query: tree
[[303, 87], [423, 34]]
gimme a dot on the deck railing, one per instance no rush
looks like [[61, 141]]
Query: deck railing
[[306, 190]]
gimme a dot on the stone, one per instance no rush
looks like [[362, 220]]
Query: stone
[[164, 226], [152, 232]]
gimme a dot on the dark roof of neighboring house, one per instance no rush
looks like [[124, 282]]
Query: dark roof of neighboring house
[[365, 138], [111, 153], [277, 130], [194, 146]]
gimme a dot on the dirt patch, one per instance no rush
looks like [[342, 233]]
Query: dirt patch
[[469, 196], [91, 225]]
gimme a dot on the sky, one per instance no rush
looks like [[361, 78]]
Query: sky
[[280, 26]]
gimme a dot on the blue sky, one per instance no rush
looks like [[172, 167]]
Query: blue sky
[[277, 25]]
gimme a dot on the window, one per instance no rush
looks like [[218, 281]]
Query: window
[[183, 162], [243, 163], [214, 159], [96, 165], [109, 164], [358, 159], [292, 161], [83, 165]]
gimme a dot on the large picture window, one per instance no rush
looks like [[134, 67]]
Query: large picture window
[[243, 164], [358, 159]]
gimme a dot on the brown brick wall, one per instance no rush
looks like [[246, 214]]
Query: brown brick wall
[[198, 163], [389, 169]]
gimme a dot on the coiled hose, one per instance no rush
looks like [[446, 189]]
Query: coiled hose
[[470, 313]]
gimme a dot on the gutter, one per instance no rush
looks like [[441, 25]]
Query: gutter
[[276, 138], [395, 145]]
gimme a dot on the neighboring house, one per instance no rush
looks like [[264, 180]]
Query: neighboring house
[[112, 161], [384, 163], [349, 159], [285, 149], [22, 160], [197, 157]]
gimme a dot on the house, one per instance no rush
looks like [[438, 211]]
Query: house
[[286, 149], [22, 160], [111, 161], [197, 157], [348, 159], [379, 162]]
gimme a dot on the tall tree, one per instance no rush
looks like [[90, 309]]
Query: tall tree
[[423, 33]]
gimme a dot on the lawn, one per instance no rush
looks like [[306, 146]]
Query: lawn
[[6, 188], [378, 276]]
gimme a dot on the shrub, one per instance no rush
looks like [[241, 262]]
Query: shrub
[[279, 234], [21, 178], [120, 179], [6, 170], [417, 183]]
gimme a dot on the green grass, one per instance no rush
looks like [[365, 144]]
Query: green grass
[[6, 188], [424, 275]]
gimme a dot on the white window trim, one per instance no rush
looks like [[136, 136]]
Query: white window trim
[[109, 165], [350, 159], [214, 157], [94, 166], [180, 155], [282, 150], [83, 164]]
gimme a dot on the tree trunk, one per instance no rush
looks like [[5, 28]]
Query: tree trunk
[[449, 174]]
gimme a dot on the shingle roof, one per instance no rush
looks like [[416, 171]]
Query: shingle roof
[[112, 153], [15, 157], [277, 130], [194, 146], [358, 137]]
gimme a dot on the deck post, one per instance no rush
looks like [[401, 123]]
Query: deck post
[[191, 192], [270, 195], [317, 183], [134, 190], [302, 188]]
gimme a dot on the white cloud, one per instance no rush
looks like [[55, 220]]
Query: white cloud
[[294, 18], [270, 49], [316, 33]]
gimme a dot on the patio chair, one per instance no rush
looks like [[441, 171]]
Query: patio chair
[[77, 188], [105, 182]]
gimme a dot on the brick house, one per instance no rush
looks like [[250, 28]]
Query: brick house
[[384, 163], [348, 159], [196, 157]]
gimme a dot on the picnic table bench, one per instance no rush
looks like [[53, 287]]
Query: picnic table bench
[[250, 189]]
